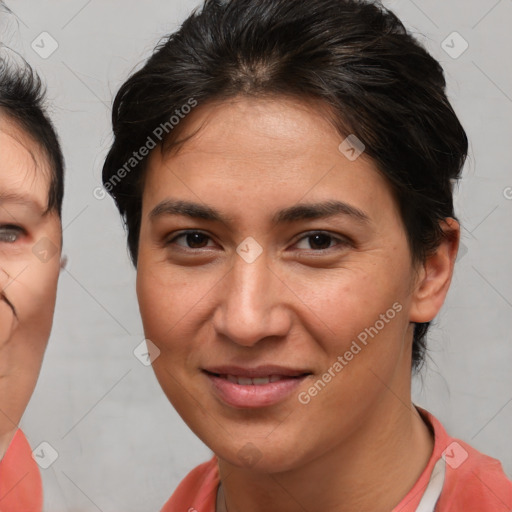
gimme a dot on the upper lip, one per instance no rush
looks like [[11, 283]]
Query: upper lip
[[257, 371]]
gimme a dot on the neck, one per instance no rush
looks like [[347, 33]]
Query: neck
[[5, 441], [371, 471]]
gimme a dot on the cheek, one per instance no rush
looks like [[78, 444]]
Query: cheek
[[340, 305], [7, 322], [172, 300], [162, 303], [33, 294]]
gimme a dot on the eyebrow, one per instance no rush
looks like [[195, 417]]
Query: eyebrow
[[10, 197], [294, 213]]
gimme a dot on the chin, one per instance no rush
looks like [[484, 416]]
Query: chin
[[265, 455]]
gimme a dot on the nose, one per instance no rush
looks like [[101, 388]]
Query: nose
[[252, 304]]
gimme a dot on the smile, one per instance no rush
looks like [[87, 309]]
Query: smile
[[257, 381], [254, 388]]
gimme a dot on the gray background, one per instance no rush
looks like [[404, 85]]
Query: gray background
[[121, 446]]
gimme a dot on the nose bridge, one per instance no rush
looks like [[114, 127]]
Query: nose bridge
[[251, 284], [250, 307]]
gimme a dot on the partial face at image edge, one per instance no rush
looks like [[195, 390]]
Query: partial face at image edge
[[30, 248]]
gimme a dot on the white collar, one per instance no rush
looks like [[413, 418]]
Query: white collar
[[434, 488]]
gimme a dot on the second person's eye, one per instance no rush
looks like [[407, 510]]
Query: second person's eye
[[10, 234]]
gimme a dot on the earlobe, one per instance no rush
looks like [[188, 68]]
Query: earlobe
[[435, 277], [63, 262]]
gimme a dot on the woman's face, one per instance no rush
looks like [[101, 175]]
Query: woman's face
[[267, 253], [30, 244]]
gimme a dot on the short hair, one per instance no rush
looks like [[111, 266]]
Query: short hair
[[22, 100], [354, 56]]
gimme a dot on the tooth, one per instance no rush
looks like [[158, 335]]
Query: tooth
[[274, 378], [244, 381], [232, 379], [261, 380]]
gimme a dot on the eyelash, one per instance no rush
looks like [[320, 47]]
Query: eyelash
[[344, 242], [8, 230]]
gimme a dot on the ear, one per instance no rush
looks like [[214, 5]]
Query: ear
[[435, 275], [63, 262]]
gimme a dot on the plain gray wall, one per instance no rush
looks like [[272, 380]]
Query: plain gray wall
[[121, 446]]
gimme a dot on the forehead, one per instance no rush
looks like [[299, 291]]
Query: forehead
[[24, 169], [266, 146], [273, 127]]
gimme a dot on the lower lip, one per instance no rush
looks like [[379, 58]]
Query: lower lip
[[253, 396]]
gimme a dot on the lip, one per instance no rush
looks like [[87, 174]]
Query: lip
[[253, 396], [257, 371]]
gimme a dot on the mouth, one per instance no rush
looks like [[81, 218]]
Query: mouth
[[257, 381], [254, 387]]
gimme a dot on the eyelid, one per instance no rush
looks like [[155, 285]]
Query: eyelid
[[12, 227], [9, 225]]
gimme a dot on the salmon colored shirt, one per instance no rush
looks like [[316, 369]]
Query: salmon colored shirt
[[473, 482], [21, 489]]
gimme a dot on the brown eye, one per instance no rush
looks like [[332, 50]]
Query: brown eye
[[193, 240], [320, 241]]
